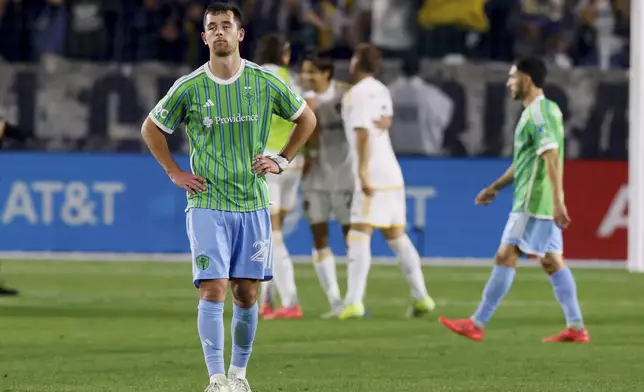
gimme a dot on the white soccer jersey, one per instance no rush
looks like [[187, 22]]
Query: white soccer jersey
[[366, 102], [333, 167]]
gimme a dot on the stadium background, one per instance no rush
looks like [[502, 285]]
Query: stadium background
[[82, 75], [79, 76]]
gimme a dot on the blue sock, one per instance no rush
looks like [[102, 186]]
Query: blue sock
[[244, 325], [496, 288], [210, 322], [563, 284]]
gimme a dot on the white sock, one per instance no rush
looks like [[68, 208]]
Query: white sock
[[324, 263], [410, 265], [236, 372], [267, 292], [283, 273], [359, 262]]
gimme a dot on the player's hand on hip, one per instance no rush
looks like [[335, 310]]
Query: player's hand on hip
[[486, 196], [264, 165], [560, 213], [192, 183]]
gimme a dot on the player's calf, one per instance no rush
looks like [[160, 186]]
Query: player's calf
[[565, 289], [244, 327], [210, 324]]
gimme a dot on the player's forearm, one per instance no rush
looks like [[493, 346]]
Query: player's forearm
[[156, 142], [362, 144], [304, 127], [506, 179], [551, 159]]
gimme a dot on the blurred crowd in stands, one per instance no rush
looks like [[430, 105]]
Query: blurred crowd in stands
[[565, 32]]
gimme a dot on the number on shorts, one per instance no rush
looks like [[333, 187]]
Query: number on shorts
[[261, 250]]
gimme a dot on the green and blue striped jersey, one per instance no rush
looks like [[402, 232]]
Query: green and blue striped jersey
[[228, 122], [540, 128]]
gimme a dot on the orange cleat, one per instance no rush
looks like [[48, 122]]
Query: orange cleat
[[266, 309], [463, 327], [294, 312], [569, 335]]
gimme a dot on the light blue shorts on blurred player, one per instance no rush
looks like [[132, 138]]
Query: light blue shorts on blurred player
[[533, 236], [226, 245]]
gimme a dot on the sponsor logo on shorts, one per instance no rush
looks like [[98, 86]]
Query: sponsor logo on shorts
[[203, 262]]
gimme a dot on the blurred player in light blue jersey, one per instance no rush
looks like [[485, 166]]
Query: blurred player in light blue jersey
[[538, 213], [274, 53], [226, 106], [328, 183]]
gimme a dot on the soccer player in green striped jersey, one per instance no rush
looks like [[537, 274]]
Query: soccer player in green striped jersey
[[226, 106], [538, 211]]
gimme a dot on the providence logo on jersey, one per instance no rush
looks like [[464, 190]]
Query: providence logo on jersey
[[236, 119]]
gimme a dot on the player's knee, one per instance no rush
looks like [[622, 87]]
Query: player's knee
[[320, 235], [213, 290], [276, 221], [362, 228], [244, 292], [552, 263], [507, 256], [393, 233]]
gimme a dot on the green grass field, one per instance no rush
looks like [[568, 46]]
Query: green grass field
[[96, 327]]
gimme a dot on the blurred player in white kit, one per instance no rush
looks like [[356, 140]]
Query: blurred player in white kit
[[379, 199], [328, 183]]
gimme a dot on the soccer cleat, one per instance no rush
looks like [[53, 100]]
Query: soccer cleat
[[294, 312], [218, 383], [352, 311], [7, 292], [421, 308], [333, 313], [569, 335], [266, 309], [463, 327], [236, 384]]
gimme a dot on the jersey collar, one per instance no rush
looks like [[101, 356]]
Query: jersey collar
[[230, 80]]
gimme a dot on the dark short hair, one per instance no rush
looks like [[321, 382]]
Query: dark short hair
[[222, 8], [368, 58], [270, 49], [323, 63], [535, 68]]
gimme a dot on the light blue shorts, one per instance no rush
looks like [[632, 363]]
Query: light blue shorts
[[226, 245], [533, 236]]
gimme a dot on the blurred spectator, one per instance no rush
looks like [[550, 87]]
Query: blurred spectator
[[50, 28], [445, 25], [196, 52], [86, 38], [565, 32], [392, 24], [542, 30], [423, 113]]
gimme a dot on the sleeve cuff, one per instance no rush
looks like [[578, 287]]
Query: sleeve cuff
[[299, 112], [544, 148], [160, 125]]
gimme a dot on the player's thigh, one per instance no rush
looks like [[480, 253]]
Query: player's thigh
[[341, 202], [394, 218], [362, 211], [275, 184], [211, 240], [290, 187], [252, 257], [317, 207]]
